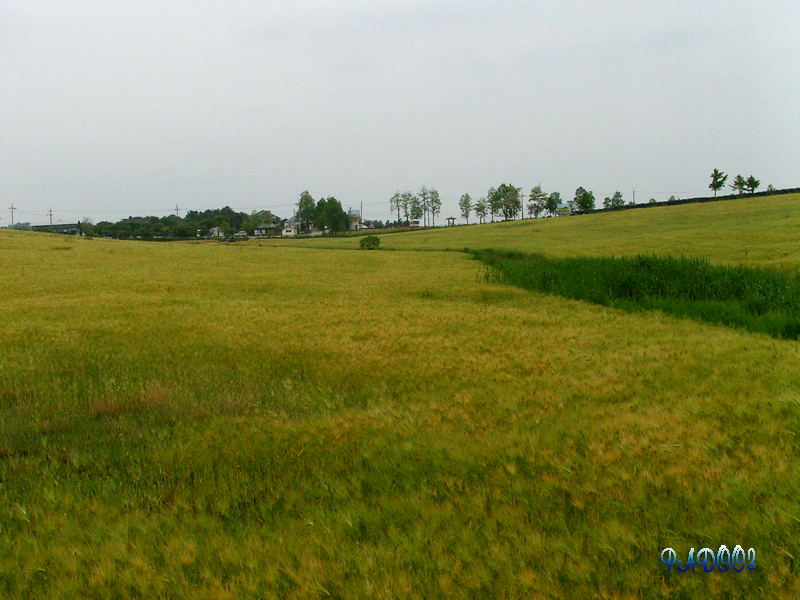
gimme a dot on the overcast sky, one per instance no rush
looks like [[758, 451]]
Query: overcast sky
[[111, 108]]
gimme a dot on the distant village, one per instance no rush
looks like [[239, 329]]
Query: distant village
[[220, 224]]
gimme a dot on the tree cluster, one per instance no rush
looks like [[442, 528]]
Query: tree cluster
[[425, 205], [193, 224], [739, 185], [540, 202], [325, 214]]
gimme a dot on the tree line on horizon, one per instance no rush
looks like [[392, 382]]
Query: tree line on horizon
[[506, 200], [194, 224], [739, 184]]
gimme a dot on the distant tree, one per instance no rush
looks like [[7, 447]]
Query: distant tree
[[512, 202], [718, 179], [252, 221], [481, 209], [306, 210], [770, 188], [653, 200], [333, 216], [405, 204], [739, 184], [415, 209], [752, 184], [86, 227], [584, 200], [552, 202], [465, 204], [615, 201], [493, 202], [435, 204], [505, 200], [425, 203], [395, 204], [537, 201]]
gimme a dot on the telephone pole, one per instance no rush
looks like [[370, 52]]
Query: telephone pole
[[12, 215], [51, 219], [177, 213]]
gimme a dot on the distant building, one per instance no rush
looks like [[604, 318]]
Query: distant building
[[67, 228], [354, 216], [265, 230]]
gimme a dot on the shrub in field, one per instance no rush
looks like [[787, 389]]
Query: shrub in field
[[370, 242], [755, 299]]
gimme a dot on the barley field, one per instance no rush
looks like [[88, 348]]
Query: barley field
[[296, 419]]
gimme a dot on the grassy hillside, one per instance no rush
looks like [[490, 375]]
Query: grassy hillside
[[251, 421], [763, 231]]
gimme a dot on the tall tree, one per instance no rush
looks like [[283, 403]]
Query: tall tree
[[394, 204], [584, 200], [334, 216], [306, 210], [505, 200], [536, 201], [465, 204], [535, 209], [718, 179], [435, 204], [415, 210], [405, 203], [424, 201], [552, 202], [494, 202], [481, 208], [752, 184]]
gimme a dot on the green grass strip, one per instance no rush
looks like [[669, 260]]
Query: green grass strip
[[759, 300]]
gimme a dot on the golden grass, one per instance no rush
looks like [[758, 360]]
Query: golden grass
[[245, 421]]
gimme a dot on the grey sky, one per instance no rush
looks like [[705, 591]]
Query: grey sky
[[116, 108]]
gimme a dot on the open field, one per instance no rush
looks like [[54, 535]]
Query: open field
[[763, 231], [287, 420]]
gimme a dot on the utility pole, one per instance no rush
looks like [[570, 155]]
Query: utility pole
[[634, 196], [177, 214], [12, 215], [361, 214], [51, 219]]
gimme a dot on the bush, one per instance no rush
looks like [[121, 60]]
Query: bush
[[370, 242]]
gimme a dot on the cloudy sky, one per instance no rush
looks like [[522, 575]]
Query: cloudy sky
[[111, 108]]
